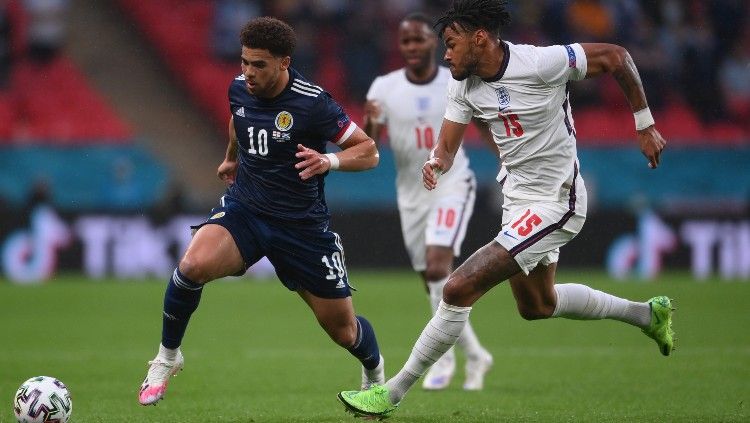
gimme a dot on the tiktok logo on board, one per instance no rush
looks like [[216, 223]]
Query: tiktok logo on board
[[30, 255], [643, 250]]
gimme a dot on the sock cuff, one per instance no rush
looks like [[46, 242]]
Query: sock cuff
[[359, 332], [560, 301], [446, 310], [180, 281]]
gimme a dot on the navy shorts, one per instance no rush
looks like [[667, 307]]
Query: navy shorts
[[305, 256]]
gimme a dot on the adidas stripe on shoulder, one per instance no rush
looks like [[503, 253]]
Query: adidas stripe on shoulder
[[305, 88]]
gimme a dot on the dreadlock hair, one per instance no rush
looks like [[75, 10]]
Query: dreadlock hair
[[270, 34], [418, 17], [471, 15]]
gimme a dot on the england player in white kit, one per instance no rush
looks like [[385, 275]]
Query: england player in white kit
[[411, 103], [520, 91]]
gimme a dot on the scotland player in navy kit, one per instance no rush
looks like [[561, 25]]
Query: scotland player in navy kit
[[275, 205]]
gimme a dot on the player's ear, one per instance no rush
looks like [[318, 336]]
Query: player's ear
[[480, 37], [286, 61]]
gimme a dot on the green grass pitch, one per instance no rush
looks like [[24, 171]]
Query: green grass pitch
[[254, 353]]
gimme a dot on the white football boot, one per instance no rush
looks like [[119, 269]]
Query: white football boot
[[440, 374], [477, 365], [157, 378]]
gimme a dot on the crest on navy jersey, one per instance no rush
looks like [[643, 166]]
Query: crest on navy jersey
[[423, 104], [284, 121], [503, 97]]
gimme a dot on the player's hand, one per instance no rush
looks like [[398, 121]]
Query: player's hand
[[652, 144], [313, 163], [372, 110], [227, 171], [431, 171]]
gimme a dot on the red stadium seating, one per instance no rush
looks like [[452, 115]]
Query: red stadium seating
[[53, 103], [180, 30]]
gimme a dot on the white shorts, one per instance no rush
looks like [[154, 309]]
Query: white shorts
[[534, 231], [441, 222]]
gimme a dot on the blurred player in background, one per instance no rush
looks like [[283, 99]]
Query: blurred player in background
[[521, 92], [275, 204], [411, 101]]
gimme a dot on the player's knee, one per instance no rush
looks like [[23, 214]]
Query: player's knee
[[535, 311], [435, 273], [194, 269], [456, 290]]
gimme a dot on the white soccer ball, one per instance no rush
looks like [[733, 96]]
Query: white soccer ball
[[42, 399]]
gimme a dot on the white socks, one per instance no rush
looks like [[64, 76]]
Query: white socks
[[576, 301], [167, 353], [468, 340], [441, 332]]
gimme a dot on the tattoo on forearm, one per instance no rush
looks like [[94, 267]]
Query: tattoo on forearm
[[630, 83]]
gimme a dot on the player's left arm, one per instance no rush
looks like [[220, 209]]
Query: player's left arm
[[358, 152], [613, 59]]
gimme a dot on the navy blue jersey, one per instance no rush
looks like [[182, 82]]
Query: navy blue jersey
[[268, 131]]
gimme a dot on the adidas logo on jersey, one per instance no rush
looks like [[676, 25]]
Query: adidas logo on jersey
[[340, 284], [240, 112]]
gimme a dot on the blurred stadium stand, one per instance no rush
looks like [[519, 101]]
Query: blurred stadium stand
[[46, 99], [120, 107], [693, 57], [670, 42]]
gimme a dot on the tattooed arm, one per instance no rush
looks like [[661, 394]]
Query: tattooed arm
[[613, 59]]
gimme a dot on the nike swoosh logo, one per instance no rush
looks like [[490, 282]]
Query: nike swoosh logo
[[509, 235]]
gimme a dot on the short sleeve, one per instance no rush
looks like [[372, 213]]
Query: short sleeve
[[331, 121], [556, 65], [376, 93], [457, 110]]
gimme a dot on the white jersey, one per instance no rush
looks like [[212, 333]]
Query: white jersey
[[526, 106], [414, 114]]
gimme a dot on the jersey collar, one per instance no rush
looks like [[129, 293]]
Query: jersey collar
[[503, 66], [425, 82]]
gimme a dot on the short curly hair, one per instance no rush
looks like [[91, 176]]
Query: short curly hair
[[270, 34], [490, 15]]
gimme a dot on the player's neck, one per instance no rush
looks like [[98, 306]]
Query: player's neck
[[422, 76], [491, 61], [280, 85]]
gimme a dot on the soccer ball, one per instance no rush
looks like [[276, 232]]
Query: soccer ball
[[42, 399]]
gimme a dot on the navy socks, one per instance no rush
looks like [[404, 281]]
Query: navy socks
[[180, 301], [366, 347]]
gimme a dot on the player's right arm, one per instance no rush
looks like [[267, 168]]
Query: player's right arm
[[441, 157], [458, 114], [486, 135], [372, 117], [228, 168]]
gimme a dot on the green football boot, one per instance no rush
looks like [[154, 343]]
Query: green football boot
[[660, 329], [374, 402]]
